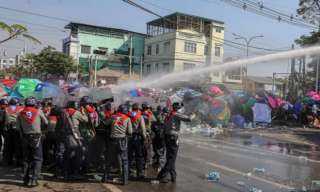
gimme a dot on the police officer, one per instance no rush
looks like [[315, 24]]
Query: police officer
[[148, 119], [121, 128], [49, 143], [73, 141], [172, 129], [88, 129], [12, 145], [136, 141], [29, 122], [158, 142], [3, 119]]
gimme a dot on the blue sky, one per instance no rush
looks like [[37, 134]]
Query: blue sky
[[115, 13]]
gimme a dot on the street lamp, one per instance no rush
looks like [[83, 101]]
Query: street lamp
[[247, 41]]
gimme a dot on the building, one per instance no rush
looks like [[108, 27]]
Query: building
[[179, 42], [255, 84], [104, 47], [7, 63]]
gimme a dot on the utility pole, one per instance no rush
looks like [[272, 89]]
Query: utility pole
[[317, 74], [95, 70], [130, 57], [141, 67], [247, 41]]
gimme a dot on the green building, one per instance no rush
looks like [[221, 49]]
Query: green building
[[104, 47]]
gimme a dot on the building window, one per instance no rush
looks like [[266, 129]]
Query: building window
[[157, 67], [85, 49], [206, 50], [190, 47], [149, 50], [157, 49], [217, 51], [166, 47], [216, 74], [104, 49], [219, 29], [188, 66], [166, 67], [148, 69]]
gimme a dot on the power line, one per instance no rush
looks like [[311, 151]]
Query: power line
[[260, 9], [31, 23], [149, 11], [35, 14]]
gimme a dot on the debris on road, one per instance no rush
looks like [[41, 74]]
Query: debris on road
[[213, 176], [259, 170], [241, 183], [253, 189]]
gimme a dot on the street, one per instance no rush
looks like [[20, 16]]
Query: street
[[198, 155]]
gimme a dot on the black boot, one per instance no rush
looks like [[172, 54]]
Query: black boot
[[33, 183]]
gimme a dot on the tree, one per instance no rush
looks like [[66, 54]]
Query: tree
[[309, 10], [16, 30], [50, 62]]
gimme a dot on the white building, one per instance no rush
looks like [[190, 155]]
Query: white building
[[6, 63], [180, 42]]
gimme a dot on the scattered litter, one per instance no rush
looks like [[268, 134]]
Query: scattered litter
[[303, 158], [259, 170], [241, 183], [253, 189], [213, 176], [155, 182], [97, 177], [304, 189], [247, 175]]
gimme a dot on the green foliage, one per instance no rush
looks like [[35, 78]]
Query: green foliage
[[16, 30], [305, 40], [51, 62]]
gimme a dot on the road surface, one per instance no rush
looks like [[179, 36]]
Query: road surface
[[234, 157]]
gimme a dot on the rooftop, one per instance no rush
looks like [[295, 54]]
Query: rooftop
[[176, 14], [72, 25]]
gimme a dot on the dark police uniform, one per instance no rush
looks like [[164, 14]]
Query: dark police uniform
[[172, 129]]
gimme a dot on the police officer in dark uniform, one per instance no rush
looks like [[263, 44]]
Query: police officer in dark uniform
[[136, 141], [158, 141], [73, 141], [3, 120], [12, 146], [172, 129], [121, 128], [29, 122]]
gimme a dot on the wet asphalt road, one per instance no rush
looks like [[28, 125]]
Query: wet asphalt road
[[234, 161], [231, 156]]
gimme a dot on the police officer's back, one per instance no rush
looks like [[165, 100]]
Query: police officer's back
[[29, 122], [120, 128]]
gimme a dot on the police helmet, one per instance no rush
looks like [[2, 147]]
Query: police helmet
[[3, 101], [123, 109], [14, 101], [176, 106], [30, 102], [135, 106], [73, 104], [85, 100]]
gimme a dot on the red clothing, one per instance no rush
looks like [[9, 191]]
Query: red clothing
[[29, 114]]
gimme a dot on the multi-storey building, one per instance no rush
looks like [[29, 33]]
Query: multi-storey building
[[116, 49], [181, 41]]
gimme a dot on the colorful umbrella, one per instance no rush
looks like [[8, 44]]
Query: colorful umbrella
[[8, 82], [27, 87]]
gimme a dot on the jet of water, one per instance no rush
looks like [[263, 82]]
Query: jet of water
[[187, 75]]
